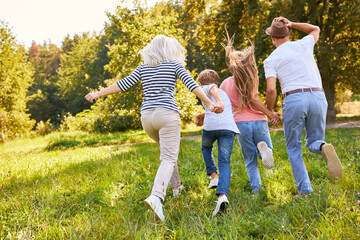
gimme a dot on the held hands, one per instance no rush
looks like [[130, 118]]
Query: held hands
[[92, 96], [217, 107], [275, 118]]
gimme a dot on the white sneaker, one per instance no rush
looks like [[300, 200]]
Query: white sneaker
[[213, 183], [154, 203], [221, 205], [266, 154], [176, 192]]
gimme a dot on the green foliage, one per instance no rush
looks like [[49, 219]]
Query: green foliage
[[80, 69], [43, 128], [88, 186], [188, 104], [355, 97], [44, 100], [15, 78]]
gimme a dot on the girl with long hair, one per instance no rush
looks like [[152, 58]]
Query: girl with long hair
[[249, 111]]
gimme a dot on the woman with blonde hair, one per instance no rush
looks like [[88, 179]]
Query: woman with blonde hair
[[249, 111], [163, 63]]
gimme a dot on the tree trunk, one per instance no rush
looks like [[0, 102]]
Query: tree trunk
[[329, 88]]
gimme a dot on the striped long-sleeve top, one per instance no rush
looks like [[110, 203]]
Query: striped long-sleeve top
[[159, 84]]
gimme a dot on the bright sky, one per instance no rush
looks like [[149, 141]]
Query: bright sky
[[44, 20]]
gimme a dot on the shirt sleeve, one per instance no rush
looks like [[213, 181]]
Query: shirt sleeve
[[185, 77], [308, 43], [269, 70], [207, 88], [130, 80]]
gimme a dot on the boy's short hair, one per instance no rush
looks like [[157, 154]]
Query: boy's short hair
[[208, 76]]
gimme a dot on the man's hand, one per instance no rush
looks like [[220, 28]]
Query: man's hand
[[285, 20], [275, 118]]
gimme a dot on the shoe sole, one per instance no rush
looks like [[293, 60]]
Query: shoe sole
[[212, 187], [151, 209], [332, 161], [267, 158]]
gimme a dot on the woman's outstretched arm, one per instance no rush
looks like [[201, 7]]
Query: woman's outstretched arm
[[114, 88]]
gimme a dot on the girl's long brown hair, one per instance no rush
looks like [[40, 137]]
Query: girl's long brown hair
[[242, 65]]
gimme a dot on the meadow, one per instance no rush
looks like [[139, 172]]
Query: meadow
[[92, 186]]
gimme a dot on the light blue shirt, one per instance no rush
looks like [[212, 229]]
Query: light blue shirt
[[219, 121]]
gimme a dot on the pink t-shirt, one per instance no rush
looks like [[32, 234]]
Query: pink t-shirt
[[246, 114]]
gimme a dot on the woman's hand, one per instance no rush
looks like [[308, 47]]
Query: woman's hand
[[275, 118], [217, 107], [92, 96]]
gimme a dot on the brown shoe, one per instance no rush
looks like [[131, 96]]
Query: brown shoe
[[332, 161]]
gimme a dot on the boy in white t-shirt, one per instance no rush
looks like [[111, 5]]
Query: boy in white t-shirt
[[221, 128]]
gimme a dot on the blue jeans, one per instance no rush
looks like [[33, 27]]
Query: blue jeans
[[304, 109], [225, 140], [251, 133]]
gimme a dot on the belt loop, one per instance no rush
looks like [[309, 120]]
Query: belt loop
[[302, 90], [311, 90]]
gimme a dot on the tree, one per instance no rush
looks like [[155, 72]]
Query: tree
[[44, 101], [15, 78], [336, 52], [81, 69]]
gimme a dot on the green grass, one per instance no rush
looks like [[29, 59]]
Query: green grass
[[355, 97], [92, 186]]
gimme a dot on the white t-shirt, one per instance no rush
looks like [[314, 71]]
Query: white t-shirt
[[293, 63], [219, 121]]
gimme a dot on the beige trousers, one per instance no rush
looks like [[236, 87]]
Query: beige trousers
[[164, 126]]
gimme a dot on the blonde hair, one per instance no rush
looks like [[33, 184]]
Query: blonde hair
[[163, 49], [208, 76], [242, 65]]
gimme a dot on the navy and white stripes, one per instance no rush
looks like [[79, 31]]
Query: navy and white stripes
[[159, 84]]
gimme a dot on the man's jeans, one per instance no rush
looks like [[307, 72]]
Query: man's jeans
[[251, 133], [225, 140], [304, 109]]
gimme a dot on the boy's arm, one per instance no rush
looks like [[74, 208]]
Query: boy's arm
[[214, 91]]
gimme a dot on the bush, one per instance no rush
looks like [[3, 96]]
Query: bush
[[105, 122], [14, 124], [341, 95], [44, 128]]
